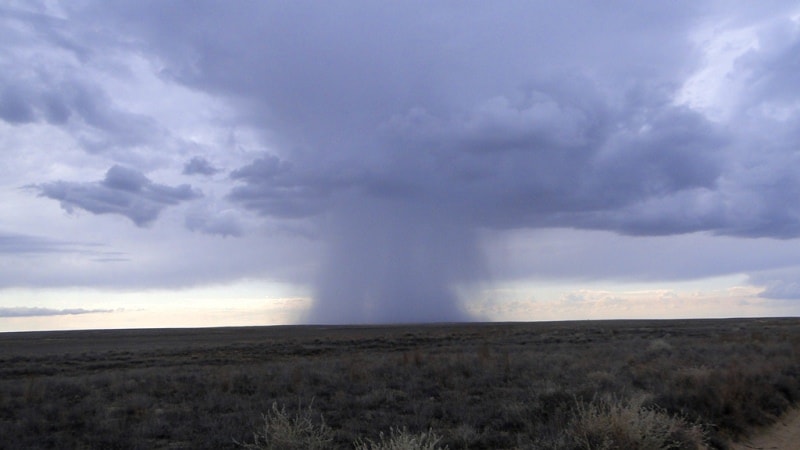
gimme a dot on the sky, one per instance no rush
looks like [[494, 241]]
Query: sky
[[208, 163]]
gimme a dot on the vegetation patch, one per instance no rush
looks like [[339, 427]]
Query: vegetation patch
[[683, 384]]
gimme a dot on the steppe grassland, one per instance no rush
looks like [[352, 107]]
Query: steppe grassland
[[683, 384]]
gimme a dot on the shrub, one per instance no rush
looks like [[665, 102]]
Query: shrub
[[611, 424], [284, 431], [402, 439]]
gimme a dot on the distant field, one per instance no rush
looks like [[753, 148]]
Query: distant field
[[561, 385]]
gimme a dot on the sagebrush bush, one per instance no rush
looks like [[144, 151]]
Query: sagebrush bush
[[606, 424], [285, 431], [299, 431], [402, 439]]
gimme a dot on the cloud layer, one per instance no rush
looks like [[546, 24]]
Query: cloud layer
[[37, 312], [512, 136], [392, 135]]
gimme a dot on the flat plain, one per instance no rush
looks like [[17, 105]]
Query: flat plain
[[549, 385]]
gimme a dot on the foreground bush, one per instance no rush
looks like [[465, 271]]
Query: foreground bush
[[300, 431], [602, 424], [285, 431], [402, 440], [610, 424]]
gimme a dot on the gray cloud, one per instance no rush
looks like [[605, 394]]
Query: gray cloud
[[564, 144], [124, 191], [48, 79], [24, 311], [14, 108], [23, 244], [273, 187], [14, 243], [199, 165], [779, 284], [539, 161], [224, 223], [781, 290], [87, 111]]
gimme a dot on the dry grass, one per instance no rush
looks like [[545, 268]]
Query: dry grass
[[475, 386]]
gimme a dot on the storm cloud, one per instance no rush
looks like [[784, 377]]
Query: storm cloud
[[199, 165], [522, 138], [393, 135]]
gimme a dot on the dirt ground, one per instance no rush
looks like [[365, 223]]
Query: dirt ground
[[784, 435]]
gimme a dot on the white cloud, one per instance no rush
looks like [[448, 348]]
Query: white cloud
[[679, 301]]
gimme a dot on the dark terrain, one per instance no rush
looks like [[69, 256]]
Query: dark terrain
[[478, 386]]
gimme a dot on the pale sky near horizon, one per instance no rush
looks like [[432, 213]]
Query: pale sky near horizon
[[169, 164]]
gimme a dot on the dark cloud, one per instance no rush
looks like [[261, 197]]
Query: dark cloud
[[124, 191], [87, 111], [13, 106], [199, 165], [23, 311], [542, 160], [47, 79], [273, 187], [500, 140]]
